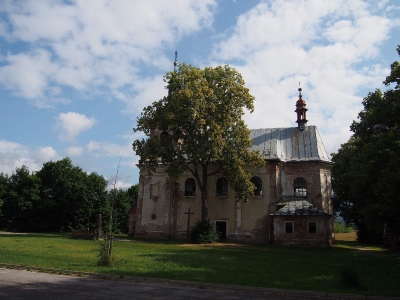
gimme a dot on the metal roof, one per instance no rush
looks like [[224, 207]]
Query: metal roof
[[300, 208], [289, 144]]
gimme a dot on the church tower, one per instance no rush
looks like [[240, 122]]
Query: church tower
[[301, 112]]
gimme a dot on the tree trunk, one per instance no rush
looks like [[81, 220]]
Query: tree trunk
[[204, 195]]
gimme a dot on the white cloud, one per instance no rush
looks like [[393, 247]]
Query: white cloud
[[14, 155], [106, 149], [74, 151], [44, 154], [148, 90], [278, 44], [72, 124], [94, 45], [28, 75]]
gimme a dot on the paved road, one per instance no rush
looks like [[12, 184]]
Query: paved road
[[21, 284]]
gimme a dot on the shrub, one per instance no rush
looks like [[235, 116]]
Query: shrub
[[342, 228], [203, 232], [105, 260], [349, 278]]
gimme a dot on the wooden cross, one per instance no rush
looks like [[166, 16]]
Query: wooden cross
[[188, 224]]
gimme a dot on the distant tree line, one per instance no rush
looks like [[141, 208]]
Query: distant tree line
[[60, 198]]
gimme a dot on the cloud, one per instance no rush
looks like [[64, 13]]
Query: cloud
[[72, 124], [106, 149], [74, 151], [44, 154], [14, 155], [277, 44], [93, 47]]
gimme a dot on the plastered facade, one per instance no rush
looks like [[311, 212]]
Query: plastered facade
[[162, 205]]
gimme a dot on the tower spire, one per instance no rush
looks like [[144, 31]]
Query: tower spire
[[301, 111]]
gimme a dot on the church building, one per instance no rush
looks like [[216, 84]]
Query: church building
[[291, 205]]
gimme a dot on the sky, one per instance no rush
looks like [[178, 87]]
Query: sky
[[76, 74]]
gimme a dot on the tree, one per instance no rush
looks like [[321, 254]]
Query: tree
[[20, 194], [203, 116], [365, 175], [133, 194]]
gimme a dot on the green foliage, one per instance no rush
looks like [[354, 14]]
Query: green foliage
[[349, 278], [122, 204], [133, 194], [105, 259], [342, 228], [58, 198], [203, 232], [20, 194], [365, 175], [203, 116]]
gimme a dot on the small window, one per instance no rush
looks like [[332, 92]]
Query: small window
[[300, 187], [312, 227], [289, 227], [190, 187], [257, 185], [222, 187], [164, 137]]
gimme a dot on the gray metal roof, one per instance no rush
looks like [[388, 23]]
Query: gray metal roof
[[289, 144], [299, 208]]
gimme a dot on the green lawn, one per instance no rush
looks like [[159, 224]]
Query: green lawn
[[254, 265]]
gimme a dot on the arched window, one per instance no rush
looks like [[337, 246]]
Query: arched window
[[164, 136], [222, 187], [190, 187], [257, 185], [300, 187]]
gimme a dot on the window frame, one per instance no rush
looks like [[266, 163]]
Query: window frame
[[300, 187], [258, 189], [221, 187], [308, 227], [192, 181], [285, 227]]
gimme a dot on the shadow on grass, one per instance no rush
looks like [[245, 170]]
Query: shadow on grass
[[35, 235]]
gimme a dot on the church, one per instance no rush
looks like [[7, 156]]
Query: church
[[291, 204]]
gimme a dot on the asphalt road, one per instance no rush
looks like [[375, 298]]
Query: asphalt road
[[21, 284]]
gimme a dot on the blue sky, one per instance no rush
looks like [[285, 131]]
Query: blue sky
[[74, 75]]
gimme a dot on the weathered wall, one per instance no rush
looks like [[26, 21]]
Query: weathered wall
[[300, 236], [154, 205], [162, 203]]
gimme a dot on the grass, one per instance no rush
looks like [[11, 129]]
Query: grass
[[316, 269]]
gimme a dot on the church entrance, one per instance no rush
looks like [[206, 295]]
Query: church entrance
[[221, 227]]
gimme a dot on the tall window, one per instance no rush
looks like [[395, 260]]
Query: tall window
[[300, 187], [190, 187], [222, 187], [257, 185]]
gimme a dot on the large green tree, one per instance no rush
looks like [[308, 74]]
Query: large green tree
[[366, 172], [203, 115], [20, 193]]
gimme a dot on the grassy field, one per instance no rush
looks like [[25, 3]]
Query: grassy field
[[314, 269]]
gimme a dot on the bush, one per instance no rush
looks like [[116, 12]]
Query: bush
[[105, 260], [342, 228], [203, 232], [349, 278]]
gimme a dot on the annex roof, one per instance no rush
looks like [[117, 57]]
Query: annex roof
[[300, 207], [289, 144]]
